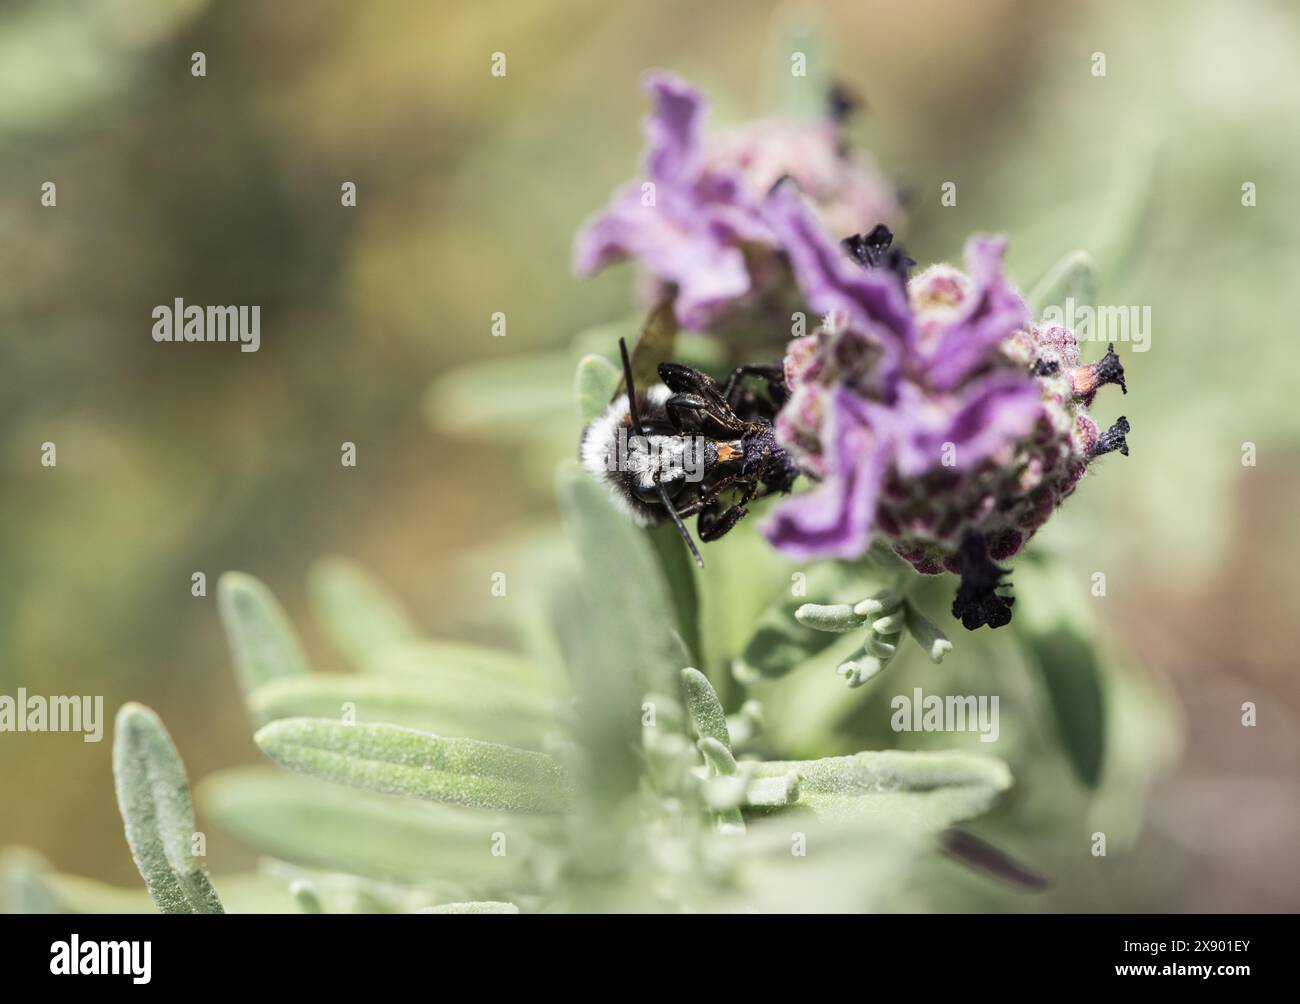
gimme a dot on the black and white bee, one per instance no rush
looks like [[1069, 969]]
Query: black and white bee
[[689, 447]]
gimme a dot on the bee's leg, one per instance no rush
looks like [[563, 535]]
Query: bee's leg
[[714, 522], [682, 379], [685, 412], [773, 375], [693, 415]]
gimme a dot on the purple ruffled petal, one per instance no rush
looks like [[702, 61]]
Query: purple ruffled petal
[[674, 245], [674, 129], [873, 302], [997, 411], [991, 312], [835, 520]]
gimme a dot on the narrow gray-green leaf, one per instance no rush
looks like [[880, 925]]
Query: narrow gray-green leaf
[[43, 890], [477, 709], [933, 642], [1074, 277], [718, 756], [359, 616], [1118, 228], [889, 623], [837, 617], [262, 641], [469, 400], [1053, 624], [884, 602], [305, 895], [707, 716], [626, 585], [929, 789], [312, 823], [153, 795], [595, 383], [779, 641], [767, 792], [455, 666], [682, 579], [402, 761]]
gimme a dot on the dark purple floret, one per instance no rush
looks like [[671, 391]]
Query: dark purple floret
[[877, 250], [1113, 439], [1108, 369], [978, 603]]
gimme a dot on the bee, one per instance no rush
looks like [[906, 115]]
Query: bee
[[686, 446]]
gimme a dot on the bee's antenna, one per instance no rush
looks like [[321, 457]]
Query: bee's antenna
[[636, 427], [631, 390]]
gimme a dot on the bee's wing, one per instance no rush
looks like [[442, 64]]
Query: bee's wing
[[654, 346]]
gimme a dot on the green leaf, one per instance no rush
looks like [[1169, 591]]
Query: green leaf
[[718, 756], [1054, 625], [454, 666], [504, 399], [309, 822], [1074, 276], [1118, 230], [932, 790], [836, 617], [934, 643], [358, 615], [262, 641], [707, 716], [595, 384], [486, 906], [860, 667], [881, 604], [770, 792], [780, 642], [483, 709], [402, 761], [31, 886], [626, 588], [306, 896], [682, 579], [798, 30], [153, 795], [25, 886]]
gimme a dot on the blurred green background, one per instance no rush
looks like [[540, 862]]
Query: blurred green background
[[174, 459]]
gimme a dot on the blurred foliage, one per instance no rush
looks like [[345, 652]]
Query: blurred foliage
[[225, 189]]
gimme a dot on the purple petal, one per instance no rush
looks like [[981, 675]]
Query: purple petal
[[991, 312], [674, 245], [673, 129], [999, 410], [873, 301], [835, 520]]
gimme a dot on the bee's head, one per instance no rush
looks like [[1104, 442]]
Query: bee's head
[[641, 463], [635, 467]]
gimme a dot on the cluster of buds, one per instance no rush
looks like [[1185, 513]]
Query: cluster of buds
[[885, 617]]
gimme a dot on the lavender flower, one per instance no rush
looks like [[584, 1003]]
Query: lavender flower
[[938, 415], [695, 219]]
